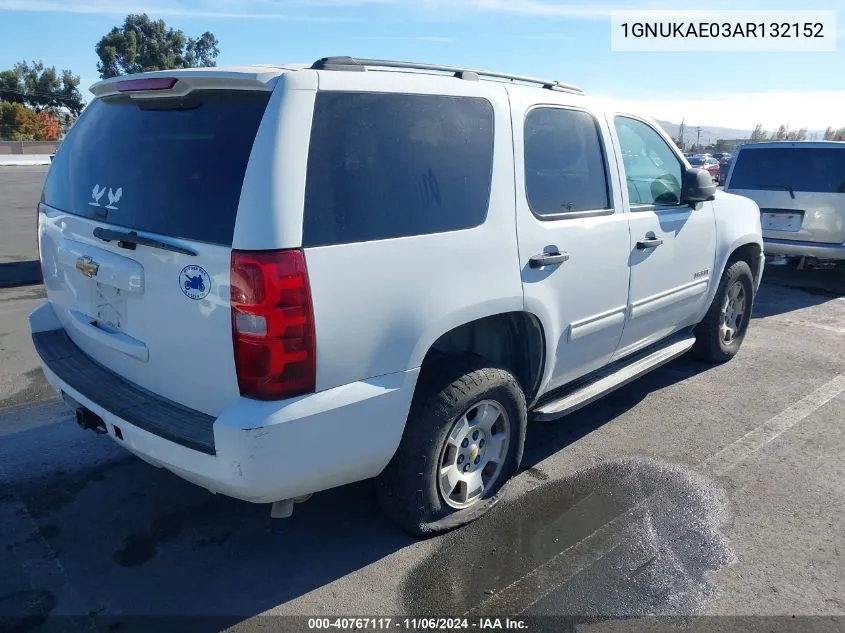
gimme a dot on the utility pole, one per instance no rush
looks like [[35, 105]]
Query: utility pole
[[681, 134], [698, 137]]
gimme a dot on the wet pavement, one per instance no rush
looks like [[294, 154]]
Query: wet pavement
[[626, 537]]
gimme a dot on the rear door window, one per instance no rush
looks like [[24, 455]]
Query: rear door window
[[811, 169], [564, 163], [383, 166], [173, 166]]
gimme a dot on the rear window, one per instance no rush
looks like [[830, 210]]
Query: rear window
[[173, 166], [813, 169], [696, 161], [383, 166]]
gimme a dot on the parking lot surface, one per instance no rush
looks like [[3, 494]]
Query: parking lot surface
[[20, 190], [699, 489]]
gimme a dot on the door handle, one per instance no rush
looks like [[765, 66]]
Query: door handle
[[649, 242], [547, 259]]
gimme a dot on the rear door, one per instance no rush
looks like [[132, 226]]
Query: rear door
[[800, 189], [137, 218], [573, 233]]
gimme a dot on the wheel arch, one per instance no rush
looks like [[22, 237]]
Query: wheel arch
[[751, 254], [748, 248], [515, 340]]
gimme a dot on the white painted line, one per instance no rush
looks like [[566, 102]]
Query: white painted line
[[754, 440]]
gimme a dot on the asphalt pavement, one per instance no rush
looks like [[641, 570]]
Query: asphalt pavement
[[696, 490], [20, 190]]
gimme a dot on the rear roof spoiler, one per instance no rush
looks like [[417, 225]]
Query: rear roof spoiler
[[155, 84]]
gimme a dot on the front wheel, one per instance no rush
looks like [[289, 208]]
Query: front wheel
[[463, 441], [720, 334]]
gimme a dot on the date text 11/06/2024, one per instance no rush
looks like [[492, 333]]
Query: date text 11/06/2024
[[723, 29], [418, 624]]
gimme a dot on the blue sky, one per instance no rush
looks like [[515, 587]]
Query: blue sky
[[565, 40]]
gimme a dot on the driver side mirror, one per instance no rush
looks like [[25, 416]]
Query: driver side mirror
[[698, 186]]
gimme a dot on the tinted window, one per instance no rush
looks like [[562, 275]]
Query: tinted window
[[171, 166], [652, 170], [391, 165], [814, 169], [564, 162]]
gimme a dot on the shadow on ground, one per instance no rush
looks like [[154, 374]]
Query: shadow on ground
[[785, 289], [21, 273], [140, 542]]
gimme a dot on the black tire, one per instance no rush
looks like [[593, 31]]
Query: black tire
[[709, 344], [408, 488]]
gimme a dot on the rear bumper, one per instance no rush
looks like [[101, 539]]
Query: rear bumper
[[796, 248], [260, 451]]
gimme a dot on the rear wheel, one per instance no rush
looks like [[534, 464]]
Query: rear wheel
[[721, 332], [462, 442]]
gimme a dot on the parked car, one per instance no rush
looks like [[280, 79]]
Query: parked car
[[800, 189], [710, 165], [277, 280], [724, 167]]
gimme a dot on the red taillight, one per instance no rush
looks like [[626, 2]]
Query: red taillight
[[151, 83], [272, 324]]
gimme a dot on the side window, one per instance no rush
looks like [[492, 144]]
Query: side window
[[382, 166], [564, 162], [652, 170]]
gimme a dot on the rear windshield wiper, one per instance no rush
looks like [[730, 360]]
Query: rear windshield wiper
[[787, 187], [131, 239]]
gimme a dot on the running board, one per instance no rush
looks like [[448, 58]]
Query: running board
[[603, 384]]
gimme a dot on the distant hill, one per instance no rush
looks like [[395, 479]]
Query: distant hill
[[711, 133]]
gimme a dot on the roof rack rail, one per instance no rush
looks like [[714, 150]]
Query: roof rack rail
[[360, 64]]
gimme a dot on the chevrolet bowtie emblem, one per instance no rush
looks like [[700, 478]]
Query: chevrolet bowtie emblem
[[87, 266]]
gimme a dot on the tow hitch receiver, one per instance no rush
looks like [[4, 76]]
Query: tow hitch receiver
[[85, 418], [89, 420]]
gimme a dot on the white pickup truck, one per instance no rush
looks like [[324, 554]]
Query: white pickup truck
[[274, 280]]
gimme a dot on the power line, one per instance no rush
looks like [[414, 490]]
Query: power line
[[58, 96]]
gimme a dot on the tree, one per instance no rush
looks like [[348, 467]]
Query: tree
[[780, 135], [759, 134], [799, 135], [680, 141], [48, 127], [41, 87], [202, 51], [829, 133], [723, 146], [21, 123], [11, 87], [142, 44]]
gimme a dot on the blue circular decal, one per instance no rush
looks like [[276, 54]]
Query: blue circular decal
[[195, 282]]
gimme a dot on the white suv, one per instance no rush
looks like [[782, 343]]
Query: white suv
[[276, 280]]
